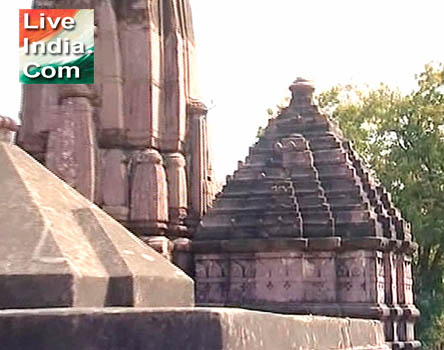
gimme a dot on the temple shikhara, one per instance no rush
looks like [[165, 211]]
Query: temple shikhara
[[102, 174], [135, 142]]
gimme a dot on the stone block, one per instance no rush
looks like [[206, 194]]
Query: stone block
[[182, 329], [60, 250]]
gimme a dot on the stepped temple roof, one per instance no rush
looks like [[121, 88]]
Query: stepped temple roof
[[302, 179], [60, 250]]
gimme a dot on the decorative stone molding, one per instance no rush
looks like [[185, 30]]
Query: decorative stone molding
[[196, 108]]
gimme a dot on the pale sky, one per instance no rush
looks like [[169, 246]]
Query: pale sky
[[249, 51]]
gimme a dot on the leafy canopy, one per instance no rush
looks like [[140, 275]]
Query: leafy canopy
[[401, 137]]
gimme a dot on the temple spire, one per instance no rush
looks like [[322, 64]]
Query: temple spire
[[132, 133]]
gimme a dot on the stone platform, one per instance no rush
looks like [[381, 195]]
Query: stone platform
[[182, 328]]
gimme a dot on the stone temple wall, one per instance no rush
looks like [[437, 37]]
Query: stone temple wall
[[135, 142]]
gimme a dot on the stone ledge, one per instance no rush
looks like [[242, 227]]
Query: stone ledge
[[256, 245], [411, 345], [332, 309], [182, 328]]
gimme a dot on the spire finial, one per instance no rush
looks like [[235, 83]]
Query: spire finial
[[302, 92]]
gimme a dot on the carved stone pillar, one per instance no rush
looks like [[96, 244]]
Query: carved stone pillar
[[71, 149], [174, 94], [406, 328], [177, 193], [114, 186], [109, 76], [198, 169], [140, 41], [149, 194]]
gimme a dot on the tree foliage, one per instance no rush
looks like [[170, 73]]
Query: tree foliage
[[401, 137]]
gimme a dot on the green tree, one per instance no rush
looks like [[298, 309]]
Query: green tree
[[401, 137]]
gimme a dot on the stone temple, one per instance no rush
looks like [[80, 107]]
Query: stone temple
[[302, 249], [302, 227]]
